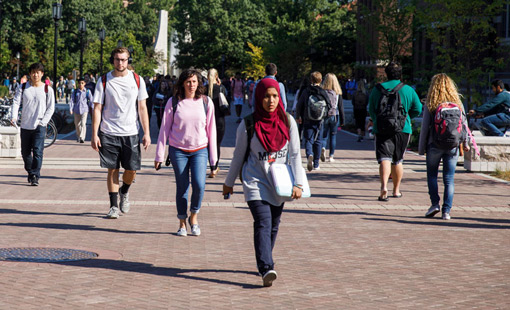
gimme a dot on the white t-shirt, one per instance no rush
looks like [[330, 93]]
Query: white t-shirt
[[119, 115]]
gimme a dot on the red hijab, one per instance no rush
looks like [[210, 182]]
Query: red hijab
[[271, 128]]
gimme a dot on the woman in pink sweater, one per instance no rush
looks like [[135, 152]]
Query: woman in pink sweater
[[189, 126]]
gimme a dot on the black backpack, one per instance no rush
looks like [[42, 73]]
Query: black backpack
[[448, 130], [391, 116], [317, 107]]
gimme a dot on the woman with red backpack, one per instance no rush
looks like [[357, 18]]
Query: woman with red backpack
[[442, 133]]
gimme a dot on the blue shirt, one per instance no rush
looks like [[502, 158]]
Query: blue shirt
[[80, 101]]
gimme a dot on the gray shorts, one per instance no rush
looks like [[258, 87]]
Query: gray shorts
[[120, 150]]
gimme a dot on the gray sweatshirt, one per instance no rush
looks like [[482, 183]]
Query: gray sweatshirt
[[38, 106], [257, 180]]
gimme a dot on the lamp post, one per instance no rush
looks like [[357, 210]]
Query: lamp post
[[82, 28], [57, 15], [102, 36], [17, 69], [130, 49]]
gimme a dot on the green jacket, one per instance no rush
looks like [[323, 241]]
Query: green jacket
[[410, 102], [498, 104]]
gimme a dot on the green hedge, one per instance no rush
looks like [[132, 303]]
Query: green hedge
[[4, 91]]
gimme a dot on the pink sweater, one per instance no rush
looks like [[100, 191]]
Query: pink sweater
[[190, 130]]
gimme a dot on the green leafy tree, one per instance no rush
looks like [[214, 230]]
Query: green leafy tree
[[464, 39], [208, 29], [256, 67]]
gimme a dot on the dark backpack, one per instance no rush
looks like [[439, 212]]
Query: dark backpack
[[448, 131], [317, 107], [175, 103], [391, 116]]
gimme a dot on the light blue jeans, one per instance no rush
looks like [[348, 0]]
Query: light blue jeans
[[489, 124], [183, 163], [434, 157], [329, 133]]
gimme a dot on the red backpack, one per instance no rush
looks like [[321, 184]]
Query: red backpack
[[448, 131]]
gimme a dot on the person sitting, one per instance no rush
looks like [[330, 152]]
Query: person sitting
[[496, 112]]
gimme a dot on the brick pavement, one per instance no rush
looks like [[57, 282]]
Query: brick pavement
[[340, 249]]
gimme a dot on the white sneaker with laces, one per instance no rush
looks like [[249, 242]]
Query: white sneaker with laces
[[195, 230], [124, 203], [114, 213], [446, 216], [182, 232]]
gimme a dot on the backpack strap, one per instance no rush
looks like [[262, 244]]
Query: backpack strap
[[137, 79], [23, 86]]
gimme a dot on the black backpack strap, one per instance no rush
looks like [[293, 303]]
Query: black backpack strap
[[23, 86], [249, 123]]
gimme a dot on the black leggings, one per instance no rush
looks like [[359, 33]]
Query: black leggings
[[220, 132]]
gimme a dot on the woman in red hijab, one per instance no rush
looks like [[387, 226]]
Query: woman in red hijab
[[266, 137]]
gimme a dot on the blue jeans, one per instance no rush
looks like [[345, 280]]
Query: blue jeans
[[312, 134], [32, 147], [434, 157], [489, 125], [183, 163], [329, 133], [266, 220]]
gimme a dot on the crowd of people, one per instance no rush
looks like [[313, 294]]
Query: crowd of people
[[190, 113]]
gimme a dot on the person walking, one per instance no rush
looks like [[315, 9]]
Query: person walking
[[310, 101], [392, 126], [70, 86], [189, 126], [360, 103], [237, 86], [214, 88], [442, 92], [274, 139], [38, 105], [81, 101], [335, 115], [119, 100], [160, 98]]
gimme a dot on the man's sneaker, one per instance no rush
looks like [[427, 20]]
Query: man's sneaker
[[433, 210], [323, 154], [309, 164], [269, 277], [114, 213], [182, 232], [331, 159], [446, 216], [195, 230], [34, 181], [124, 203]]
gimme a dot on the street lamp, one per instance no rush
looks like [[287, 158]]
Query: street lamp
[[57, 15], [17, 70], [82, 28], [102, 36], [130, 49]]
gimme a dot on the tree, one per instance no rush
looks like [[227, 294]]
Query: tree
[[258, 63], [464, 40], [208, 29]]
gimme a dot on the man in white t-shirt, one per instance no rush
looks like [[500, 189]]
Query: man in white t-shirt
[[115, 127]]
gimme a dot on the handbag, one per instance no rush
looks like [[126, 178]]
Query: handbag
[[224, 106], [283, 180]]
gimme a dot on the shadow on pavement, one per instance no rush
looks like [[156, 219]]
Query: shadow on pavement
[[119, 265], [454, 222], [15, 211], [80, 227]]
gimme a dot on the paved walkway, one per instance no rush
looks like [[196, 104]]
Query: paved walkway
[[340, 249]]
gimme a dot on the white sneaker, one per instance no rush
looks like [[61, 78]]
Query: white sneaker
[[182, 232], [195, 230], [114, 213], [318, 168], [269, 277], [446, 216], [331, 159], [124, 203], [323, 154], [309, 164]]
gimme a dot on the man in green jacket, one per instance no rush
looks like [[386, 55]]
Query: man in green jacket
[[391, 146], [496, 112]]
